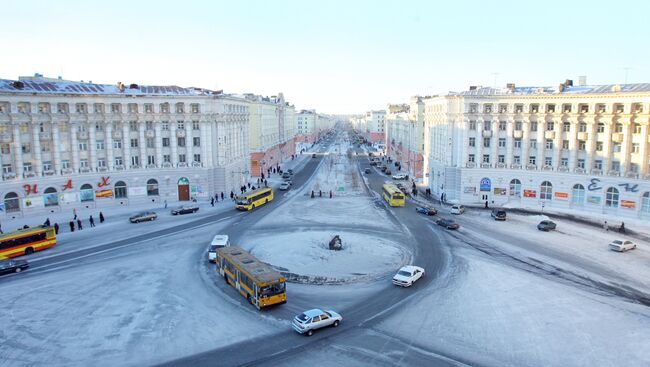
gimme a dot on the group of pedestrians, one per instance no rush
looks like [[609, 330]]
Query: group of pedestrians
[[76, 223], [216, 198]]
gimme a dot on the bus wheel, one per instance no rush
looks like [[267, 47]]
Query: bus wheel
[[29, 251]]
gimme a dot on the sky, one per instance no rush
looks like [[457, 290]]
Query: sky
[[334, 56]]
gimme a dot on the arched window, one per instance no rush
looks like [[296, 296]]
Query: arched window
[[152, 188], [645, 203], [611, 197], [50, 197], [86, 193], [546, 191], [12, 202], [120, 190], [578, 194], [515, 188]]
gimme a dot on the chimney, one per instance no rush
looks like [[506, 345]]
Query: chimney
[[560, 89], [582, 80], [568, 83], [511, 87]]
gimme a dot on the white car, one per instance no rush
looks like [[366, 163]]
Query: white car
[[622, 245], [407, 275], [399, 176], [457, 209], [219, 241], [285, 186], [311, 320]]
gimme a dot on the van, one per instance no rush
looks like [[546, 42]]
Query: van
[[219, 241]]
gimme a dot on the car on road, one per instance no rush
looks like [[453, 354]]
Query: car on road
[[457, 209], [13, 266], [290, 171], [286, 175], [185, 209], [374, 163], [387, 172], [622, 245], [498, 214], [426, 210], [546, 225], [313, 155], [311, 320], [401, 187], [407, 275], [285, 186], [447, 223], [143, 217], [367, 171], [400, 176], [218, 241]]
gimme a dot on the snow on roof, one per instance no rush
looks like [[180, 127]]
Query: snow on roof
[[589, 89], [68, 87]]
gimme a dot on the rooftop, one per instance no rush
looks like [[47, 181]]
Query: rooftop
[[566, 90]]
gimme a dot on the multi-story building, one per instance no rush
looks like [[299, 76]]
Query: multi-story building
[[580, 147], [375, 125], [72, 144], [405, 136], [272, 131], [310, 126]]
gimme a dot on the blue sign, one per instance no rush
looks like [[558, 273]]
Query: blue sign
[[486, 184]]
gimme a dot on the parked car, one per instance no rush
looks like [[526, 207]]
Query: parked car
[[311, 320], [425, 210], [387, 172], [286, 175], [13, 266], [382, 168], [373, 163], [457, 209], [622, 245], [400, 176], [185, 209], [546, 225], [143, 216], [498, 214], [219, 241], [367, 171], [290, 171], [447, 223], [407, 275], [285, 186]]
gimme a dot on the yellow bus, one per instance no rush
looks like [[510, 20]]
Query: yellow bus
[[258, 282], [26, 241], [393, 195], [254, 199]]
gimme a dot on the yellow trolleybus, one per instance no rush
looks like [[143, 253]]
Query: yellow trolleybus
[[26, 241], [254, 199], [258, 282], [393, 195]]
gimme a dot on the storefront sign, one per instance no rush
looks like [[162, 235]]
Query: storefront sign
[[500, 191], [138, 191], [30, 189], [595, 185], [104, 194], [104, 182], [530, 193], [593, 199], [485, 184], [628, 204], [561, 195], [68, 185], [469, 189]]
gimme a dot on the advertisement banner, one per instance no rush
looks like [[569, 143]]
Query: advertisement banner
[[33, 202], [561, 195], [68, 197], [87, 195], [628, 204], [593, 199], [469, 189], [51, 199], [500, 191], [530, 193], [137, 191], [99, 194]]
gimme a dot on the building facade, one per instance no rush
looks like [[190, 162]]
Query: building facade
[[578, 147], [405, 136], [72, 144]]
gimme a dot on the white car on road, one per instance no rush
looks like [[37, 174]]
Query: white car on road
[[622, 245], [407, 275], [311, 320], [457, 209], [285, 186], [399, 176], [219, 241]]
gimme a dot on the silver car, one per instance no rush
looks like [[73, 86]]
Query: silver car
[[311, 320], [142, 217]]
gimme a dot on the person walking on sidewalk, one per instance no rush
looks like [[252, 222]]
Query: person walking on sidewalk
[[91, 220], [212, 201], [71, 226], [101, 217], [222, 196], [56, 228], [74, 211], [47, 222], [79, 224]]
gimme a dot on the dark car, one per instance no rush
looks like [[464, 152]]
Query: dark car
[[498, 214], [382, 168], [425, 210], [286, 175], [368, 171], [373, 163], [546, 225], [313, 155], [143, 216], [290, 171], [13, 266], [447, 223], [185, 209], [388, 172]]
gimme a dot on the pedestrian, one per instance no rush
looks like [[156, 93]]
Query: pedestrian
[[91, 220], [605, 227], [71, 226], [1, 228], [330, 194], [320, 193], [25, 226], [232, 195], [312, 194], [74, 211], [222, 196], [56, 228], [79, 224], [47, 222], [262, 175], [258, 181], [266, 183], [249, 185], [253, 188], [621, 229], [101, 217], [212, 202], [165, 203]]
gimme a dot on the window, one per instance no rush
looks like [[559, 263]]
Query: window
[[80, 108], [532, 160], [99, 145], [598, 164], [534, 108], [611, 197], [180, 125], [581, 163], [83, 163], [601, 127], [486, 158], [195, 108], [635, 148], [550, 108], [566, 108], [486, 142], [516, 159], [115, 108], [565, 144], [599, 146], [502, 159], [519, 108], [502, 142], [118, 161], [133, 125], [152, 188], [181, 158], [515, 188], [550, 126], [472, 142], [487, 125], [471, 158], [135, 160], [83, 146], [472, 125], [197, 158], [165, 125], [99, 127], [487, 108], [616, 166], [5, 148], [546, 191], [120, 190], [582, 127], [195, 125], [564, 162], [134, 143], [180, 142], [566, 127], [578, 194], [549, 144], [634, 167], [180, 108], [601, 108], [27, 167], [148, 108], [548, 161], [62, 107], [582, 145], [196, 142], [584, 108], [618, 128], [518, 125], [26, 148], [133, 107], [533, 126], [533, 143], [117, 144], [65, 164], [503, 125], [45, 146], [165, 142], [517, 143], [167, 158], [7, 168], [101, 162], [164, 108], [637, 128], [151, 160], [645, 203], [616, 147], [148, 125], [150, 142]]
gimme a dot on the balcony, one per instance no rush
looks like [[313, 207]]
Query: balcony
[[149, 133], [617, 137], [182, 164], [501, 165], [487, 133], [486, 165], [531, 167], [614, 173], [631, 174], [549, 134], [580, 170], [547, 168], [48, 172], [151, 166], [596, 171], [82, 135], [9, 175], [563, 169], [167, 165], [45, 136], [515, 166], [102, 169], [471, 165], [135, 166], [180, 133], [66, 171], [84, 169], [583, 136], [117, 134], [29, 174], [6, 138], [119, 167], [518, 134], [196, 164]]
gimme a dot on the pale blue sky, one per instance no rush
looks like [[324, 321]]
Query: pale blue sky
[[335, 56]]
